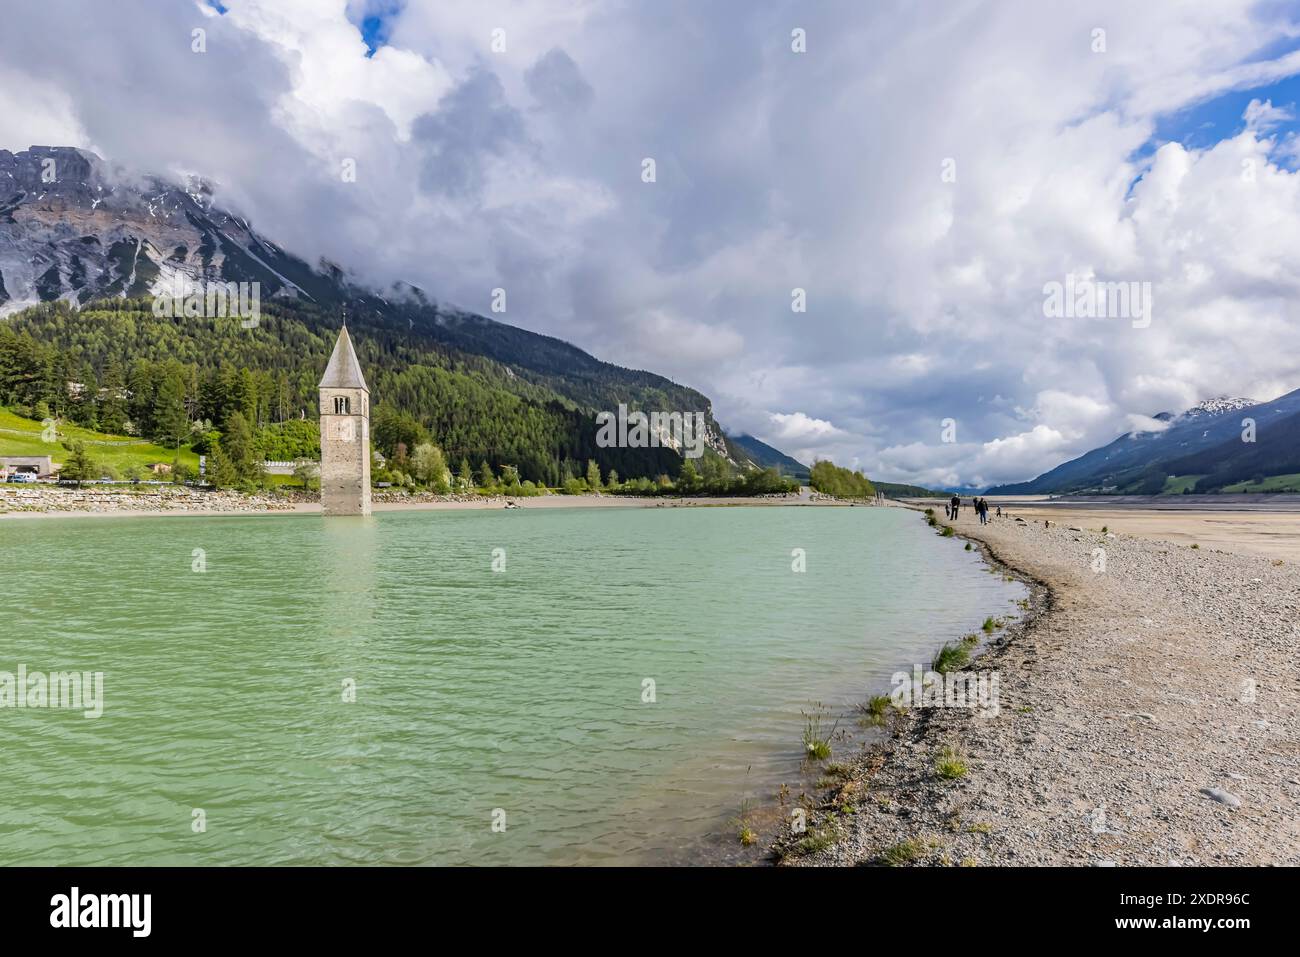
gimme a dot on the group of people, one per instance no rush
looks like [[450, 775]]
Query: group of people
[[980, 505]]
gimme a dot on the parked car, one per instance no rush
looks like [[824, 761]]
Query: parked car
[[20, 477]]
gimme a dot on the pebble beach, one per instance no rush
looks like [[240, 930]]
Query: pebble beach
[[1148, 716]]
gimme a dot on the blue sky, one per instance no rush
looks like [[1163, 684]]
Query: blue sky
[[1203, 124], [373, 19]]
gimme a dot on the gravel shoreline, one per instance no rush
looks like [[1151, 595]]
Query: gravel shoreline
[[1147, 716], [26, 500], [20, 500]]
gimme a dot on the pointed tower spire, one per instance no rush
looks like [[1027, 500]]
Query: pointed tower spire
[[344, 433], [344, 370]]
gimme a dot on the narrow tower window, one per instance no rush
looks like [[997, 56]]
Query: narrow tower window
[[341, 405]]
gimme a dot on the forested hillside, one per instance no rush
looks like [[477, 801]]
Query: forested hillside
[[114, 365]]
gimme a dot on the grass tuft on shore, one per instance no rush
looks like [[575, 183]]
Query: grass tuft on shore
[[903, 853], [948, 531], [816, 744], [876, 709], [951, 658], [950, 765], [818, 839], [744, 831]]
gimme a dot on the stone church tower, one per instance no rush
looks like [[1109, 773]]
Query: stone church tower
[[344, 433]]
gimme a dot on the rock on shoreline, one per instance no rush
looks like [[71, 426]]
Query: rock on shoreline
[[1148, 716]]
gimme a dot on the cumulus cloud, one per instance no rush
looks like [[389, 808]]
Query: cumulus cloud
[[1146, 423], [797, 427], [921, 196], [472, 124], [557, 84]]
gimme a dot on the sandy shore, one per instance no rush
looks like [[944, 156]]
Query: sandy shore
[[1267, 534], [1147, 715], [1271, 531]]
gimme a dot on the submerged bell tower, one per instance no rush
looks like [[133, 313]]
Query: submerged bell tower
[[344, 433]]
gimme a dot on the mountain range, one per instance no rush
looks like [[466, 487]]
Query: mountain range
[[80, 234], [1225, 443], [765, 456]]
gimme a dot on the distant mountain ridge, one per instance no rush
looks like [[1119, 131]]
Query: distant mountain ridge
[[765, 456], [902, 490], [1209, 445]]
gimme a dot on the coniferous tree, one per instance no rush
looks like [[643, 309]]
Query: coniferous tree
[[221, 471], [113, 411], [237, 444], [171, 426], [87, 398], [79, 465]]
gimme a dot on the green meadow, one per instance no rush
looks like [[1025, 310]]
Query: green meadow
[[20, 436]]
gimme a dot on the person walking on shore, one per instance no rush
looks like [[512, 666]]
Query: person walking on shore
[[956, 504]]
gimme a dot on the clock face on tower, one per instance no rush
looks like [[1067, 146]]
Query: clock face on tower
[[343, 430]]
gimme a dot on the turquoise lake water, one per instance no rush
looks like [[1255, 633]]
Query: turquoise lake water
[[477, 691]]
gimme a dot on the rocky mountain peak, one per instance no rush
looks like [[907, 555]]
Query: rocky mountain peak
[[73, 228], [1217, 406]]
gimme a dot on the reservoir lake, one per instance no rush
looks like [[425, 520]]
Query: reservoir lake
[[605, 685]]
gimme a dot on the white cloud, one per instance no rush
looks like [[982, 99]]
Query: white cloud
[[795, 427]]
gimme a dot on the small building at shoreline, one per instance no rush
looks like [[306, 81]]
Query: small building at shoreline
[[30, 464]]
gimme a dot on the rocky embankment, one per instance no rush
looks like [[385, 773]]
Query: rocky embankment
[[396, 497], [17, 499], [1147, 715]]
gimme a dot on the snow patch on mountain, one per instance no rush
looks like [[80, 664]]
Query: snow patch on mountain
[[1217, 406]]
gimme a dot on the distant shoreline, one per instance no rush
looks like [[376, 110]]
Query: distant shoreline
[[89, 503]]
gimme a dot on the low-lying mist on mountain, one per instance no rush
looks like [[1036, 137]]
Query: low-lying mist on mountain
[[87, 250]]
